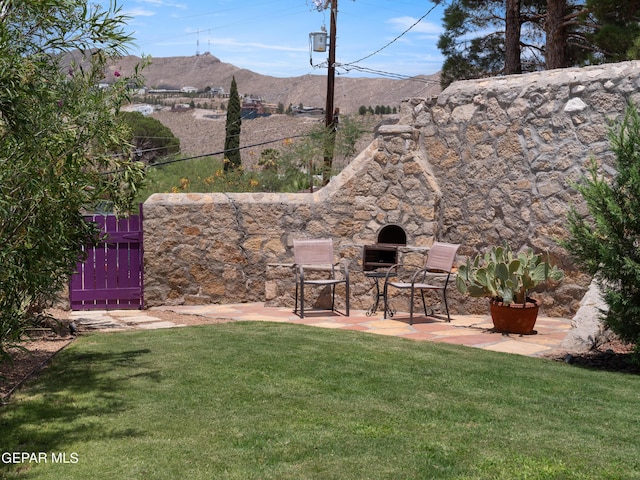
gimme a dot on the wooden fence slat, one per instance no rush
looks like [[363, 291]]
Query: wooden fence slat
[[112, 276], [124, 265], [111, 260]]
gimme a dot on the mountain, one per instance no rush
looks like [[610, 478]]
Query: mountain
[[206, 70]]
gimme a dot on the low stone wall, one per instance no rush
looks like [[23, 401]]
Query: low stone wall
[[203, 248], [487, 160]]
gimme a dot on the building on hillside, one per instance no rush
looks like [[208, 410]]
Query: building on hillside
[[253, 107], [163, 90], [143, 109], [308, 111]]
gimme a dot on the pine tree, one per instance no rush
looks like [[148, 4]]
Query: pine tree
[[494, 37], [232, 129], [607, 243]]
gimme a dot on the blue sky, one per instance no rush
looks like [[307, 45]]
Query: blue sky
[[271, 37]]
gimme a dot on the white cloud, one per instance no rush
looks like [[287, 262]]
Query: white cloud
[[233, 43], [139, 12], [403, 23]]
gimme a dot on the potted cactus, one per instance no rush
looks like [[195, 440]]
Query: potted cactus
[[506, 279]]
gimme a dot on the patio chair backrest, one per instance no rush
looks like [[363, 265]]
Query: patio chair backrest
[[441, 256], [313, 252]]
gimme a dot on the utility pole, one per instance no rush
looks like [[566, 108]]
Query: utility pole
[[331, 116]]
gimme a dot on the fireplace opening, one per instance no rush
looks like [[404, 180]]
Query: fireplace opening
[[392, 235], [384, 253]]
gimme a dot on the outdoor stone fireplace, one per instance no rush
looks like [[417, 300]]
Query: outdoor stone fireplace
[[384, 252]]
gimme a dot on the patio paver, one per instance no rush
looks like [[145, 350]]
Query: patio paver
[[469, 330]]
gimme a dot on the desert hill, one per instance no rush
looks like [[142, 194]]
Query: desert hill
[[206, 70]]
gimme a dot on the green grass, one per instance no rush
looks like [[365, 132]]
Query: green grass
[[280, 401]]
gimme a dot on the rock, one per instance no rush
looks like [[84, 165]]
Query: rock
[[587, 330]]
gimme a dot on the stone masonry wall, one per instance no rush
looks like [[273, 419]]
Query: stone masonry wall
[[505, 151], [220, 248], [484, 161]]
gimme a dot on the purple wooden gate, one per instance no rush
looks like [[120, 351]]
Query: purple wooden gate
[[111, 278]]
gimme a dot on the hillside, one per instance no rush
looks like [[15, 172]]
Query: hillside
[[310, 90], [200, 135]]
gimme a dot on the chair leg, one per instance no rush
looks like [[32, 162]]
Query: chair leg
[[301, 299], [411, 306], [446, 305], [385, 299], [346, 288], [424, 303], [333, 297]]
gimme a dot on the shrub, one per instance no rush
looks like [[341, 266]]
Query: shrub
[[607, 243], [62, 148], [150, 138]]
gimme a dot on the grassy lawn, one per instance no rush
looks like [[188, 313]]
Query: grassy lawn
[[280, 401]]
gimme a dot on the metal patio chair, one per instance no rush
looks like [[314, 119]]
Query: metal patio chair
[[439, 262], [317, 255]]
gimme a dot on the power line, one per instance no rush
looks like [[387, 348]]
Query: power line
[[394, 40], [221, 152], [382, 73]]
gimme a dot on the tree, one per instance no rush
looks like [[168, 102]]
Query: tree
[[150, 139], [484, 38], [62, 146], [495, 37], [607, 242], [617, 29], [513, 29], [349, 133], [232, 129]]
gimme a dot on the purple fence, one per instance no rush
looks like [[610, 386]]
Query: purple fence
[[111, 278]]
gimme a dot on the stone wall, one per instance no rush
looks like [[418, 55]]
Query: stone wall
[[505, 151], [486, 160], [202, 248]]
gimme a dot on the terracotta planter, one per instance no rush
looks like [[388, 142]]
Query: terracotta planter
[[515, 318]]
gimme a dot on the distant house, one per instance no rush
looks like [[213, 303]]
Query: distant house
[[144, 109], [163, 90], [189, 90], [253, 107], [308, 111]]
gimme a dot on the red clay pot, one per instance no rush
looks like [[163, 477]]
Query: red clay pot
[[515, 318]]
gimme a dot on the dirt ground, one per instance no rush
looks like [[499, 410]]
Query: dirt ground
[[200, 135]]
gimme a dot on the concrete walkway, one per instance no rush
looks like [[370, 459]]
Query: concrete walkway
[[470, 330]]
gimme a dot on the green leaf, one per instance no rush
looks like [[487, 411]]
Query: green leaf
[[502, 272]]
